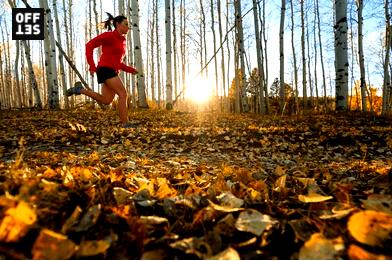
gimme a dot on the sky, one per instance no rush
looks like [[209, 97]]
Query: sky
[[373, 31]]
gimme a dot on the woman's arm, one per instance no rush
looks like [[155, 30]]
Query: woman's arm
[[91, 45]]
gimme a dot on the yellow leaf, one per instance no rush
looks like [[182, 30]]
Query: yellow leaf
[[17, 222], [371, 227], [313, 198], [228, 254], [165, 190]]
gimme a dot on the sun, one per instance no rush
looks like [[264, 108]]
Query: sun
[[199, 89]]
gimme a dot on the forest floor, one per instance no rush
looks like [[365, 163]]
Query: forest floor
[[74, 184]]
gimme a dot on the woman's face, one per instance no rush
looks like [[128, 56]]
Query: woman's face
[[123, 27]]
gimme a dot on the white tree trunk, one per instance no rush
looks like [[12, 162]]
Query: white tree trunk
[[281, 56], [260, 69], [50, 58], [142, 100], [169, 87], [387, 86], [361, 55], [61, 59], [341, 56], [304, 87], [241, 53], [294, 58]]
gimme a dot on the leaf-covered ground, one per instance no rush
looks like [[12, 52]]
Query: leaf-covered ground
[[74, 184]]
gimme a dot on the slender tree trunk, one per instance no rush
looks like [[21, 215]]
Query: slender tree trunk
[[159, 86], [223, 75], [214, 44], [387, 86], [294, 58], [259, 50], [321, 55], [361, 55], [228, 54], [241, 53], [309, 62], [305, 95], [341, 58], [203, 39], [61, 59], [50, 57], [175, 76], [315, 60], [142, 100], [264, 31], [169, 87], [183, 43], [152, 48], [281, 56]]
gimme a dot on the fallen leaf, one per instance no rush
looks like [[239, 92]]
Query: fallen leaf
[[17, 222], [254, 222], [355, 252], [227, 199], [227, 254], [313, 198], [319, 247], [52, 245], [379, 203], [93, 247], [371, 227], [89, 219]]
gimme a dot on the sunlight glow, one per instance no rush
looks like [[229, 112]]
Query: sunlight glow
[[199, 89]]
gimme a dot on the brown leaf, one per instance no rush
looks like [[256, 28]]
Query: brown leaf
[[379, 203], [93, 247], [371, 227], [52, 245]]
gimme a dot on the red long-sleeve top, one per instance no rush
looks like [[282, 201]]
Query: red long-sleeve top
[[113, 51]]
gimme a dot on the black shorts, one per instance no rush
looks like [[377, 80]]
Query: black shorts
[[104, 73]]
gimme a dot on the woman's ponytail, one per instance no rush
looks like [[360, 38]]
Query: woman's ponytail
[[108, 22]]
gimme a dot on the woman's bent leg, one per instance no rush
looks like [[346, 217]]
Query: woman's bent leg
[[106, 97], [116, 85]]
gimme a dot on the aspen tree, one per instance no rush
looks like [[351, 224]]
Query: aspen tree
[[264, 37], [241, 52], [152, 48], [387, 86], [341, 57], [141, 88], [159, 86], [214, 44], [169, 87], [321, 54], [175, 76], [183, 48], [223, 75], [50, 58], [260, 69], [7, 69], [281, 56], [361, 55], [61, 59], [294, 57], [305, 95]]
